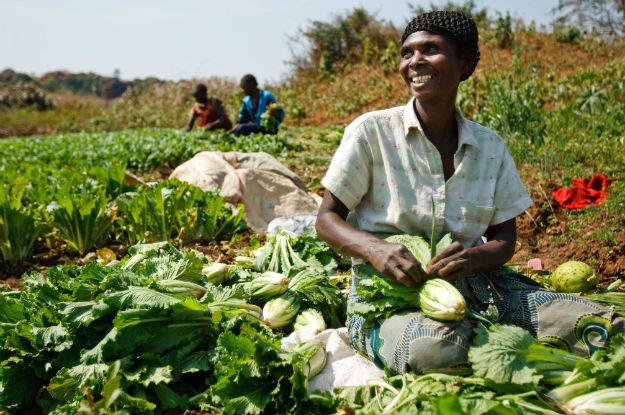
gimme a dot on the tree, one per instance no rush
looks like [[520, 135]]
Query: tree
[[605, 17], [468, 7], [343, 40]]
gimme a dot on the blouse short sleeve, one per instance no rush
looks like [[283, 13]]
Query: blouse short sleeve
[[349, 173]]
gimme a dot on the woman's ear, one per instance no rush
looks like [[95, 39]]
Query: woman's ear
[[466, 64]]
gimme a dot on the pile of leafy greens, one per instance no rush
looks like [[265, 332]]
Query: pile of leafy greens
[[122, 336], [166, 330]]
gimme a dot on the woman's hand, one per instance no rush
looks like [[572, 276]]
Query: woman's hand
[[453, 263], [456, 262], [396, 262]]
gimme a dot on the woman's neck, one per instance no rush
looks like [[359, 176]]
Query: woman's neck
[[439, 123]]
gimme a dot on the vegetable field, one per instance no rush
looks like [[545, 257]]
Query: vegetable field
[[125, 292], [122, 307]]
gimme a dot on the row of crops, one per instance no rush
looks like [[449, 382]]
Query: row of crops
[[68, 193], [164, 330]]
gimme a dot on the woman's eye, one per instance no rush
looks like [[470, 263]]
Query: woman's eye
[[406, 54]]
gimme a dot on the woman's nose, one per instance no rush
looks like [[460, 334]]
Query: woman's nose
[[415, 58]]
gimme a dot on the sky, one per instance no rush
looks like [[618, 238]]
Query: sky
[[189, 39]]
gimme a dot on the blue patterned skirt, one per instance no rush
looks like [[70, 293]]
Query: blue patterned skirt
[[409, 341]]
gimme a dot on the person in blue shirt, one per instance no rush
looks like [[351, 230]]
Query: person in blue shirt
[[256, 103]]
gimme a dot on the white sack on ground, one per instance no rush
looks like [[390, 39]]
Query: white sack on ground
[[265, 162], [268, 189], [344, 366], [266, 196], [205, 170]]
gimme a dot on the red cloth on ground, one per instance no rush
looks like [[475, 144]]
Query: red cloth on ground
[[583, 193]]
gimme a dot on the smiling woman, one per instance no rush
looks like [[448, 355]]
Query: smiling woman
[[424, 169]]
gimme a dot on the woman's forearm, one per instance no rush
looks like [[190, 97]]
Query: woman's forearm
[[491, 254], [342, 237]]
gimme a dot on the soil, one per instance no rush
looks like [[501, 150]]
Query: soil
[[540, 234]]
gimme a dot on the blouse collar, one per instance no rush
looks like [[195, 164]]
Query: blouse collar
[[465, 133]]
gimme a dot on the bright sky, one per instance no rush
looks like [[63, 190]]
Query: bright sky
[[186, 39]]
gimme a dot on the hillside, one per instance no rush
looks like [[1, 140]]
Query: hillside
[[340, 98], [310, 98], [78, 84]]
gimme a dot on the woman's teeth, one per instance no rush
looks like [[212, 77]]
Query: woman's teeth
[[420, 79]]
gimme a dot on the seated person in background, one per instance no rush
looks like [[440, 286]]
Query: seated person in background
[[209, 110], [259, 112]]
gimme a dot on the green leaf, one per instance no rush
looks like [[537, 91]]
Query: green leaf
[[79, 212], [169, 399], [148, 371], [508, 355], [54, 337], [198, 361], [85, 312], [11, 310], [67, 381], [19, 231], [605, 365], [382, 296], [114, 397], [18, 386], [140, 297]]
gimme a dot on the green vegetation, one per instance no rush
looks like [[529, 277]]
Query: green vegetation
[[155, 332], [68, 192], [152, 325]]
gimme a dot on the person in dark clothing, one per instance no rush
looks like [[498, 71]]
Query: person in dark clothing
[[259, 112], [208, 110]]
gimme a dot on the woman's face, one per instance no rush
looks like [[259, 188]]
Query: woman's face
[[430, 66]]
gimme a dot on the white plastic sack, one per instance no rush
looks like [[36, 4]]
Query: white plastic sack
[[268, 189], [266, 196], [205, 170], [298, 224], [344, 366]]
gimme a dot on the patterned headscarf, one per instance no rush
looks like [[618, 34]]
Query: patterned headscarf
[[456, 26]]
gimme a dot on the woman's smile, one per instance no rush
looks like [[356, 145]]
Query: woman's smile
[[420, 79]]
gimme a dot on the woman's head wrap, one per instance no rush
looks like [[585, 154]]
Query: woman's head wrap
[[456, 26]]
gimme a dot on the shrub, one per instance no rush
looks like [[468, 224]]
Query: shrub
[[570, 35], [25, 95]]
